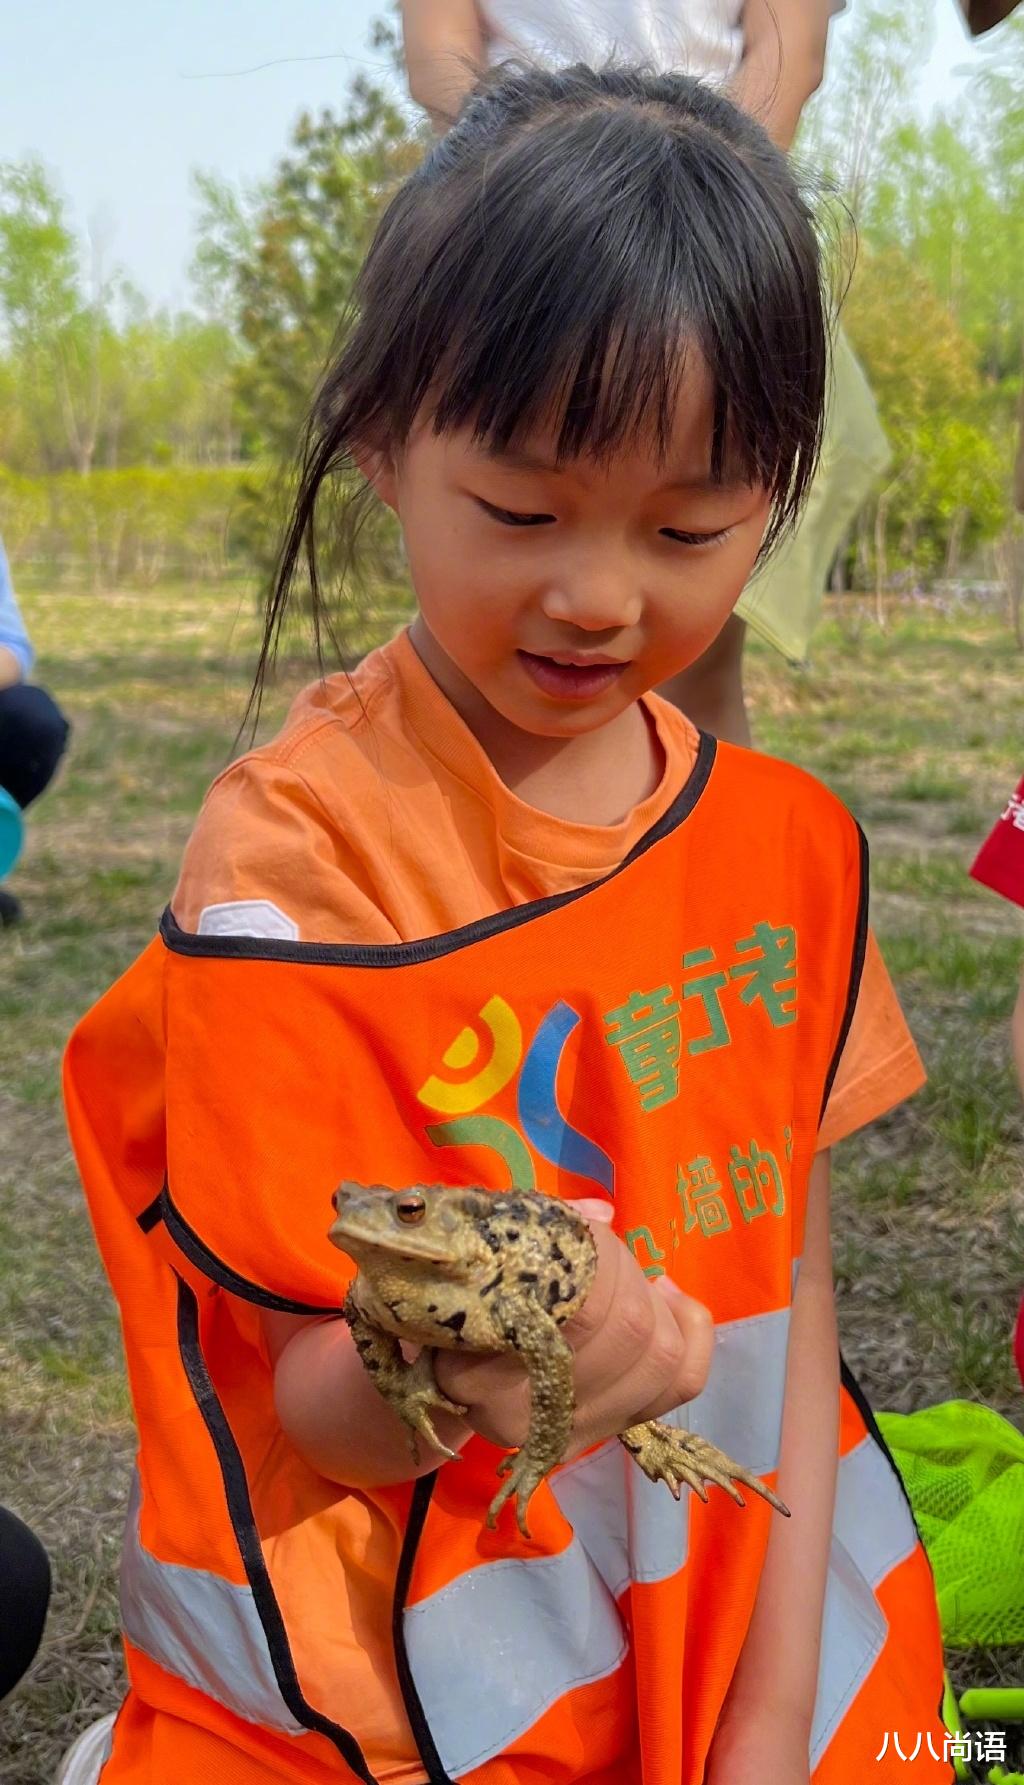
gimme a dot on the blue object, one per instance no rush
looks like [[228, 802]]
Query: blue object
[[12, 831], [12, 627]]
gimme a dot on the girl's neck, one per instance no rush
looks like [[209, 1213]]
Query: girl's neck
[[596, 778]]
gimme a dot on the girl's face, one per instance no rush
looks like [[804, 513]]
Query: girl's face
[[560, 595]]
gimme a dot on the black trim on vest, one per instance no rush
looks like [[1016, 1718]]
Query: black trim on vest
[[431, 948], [864, 1408], [198, 1253], [422, 1492], [860, 943], [236, 1490], [152, 1215]]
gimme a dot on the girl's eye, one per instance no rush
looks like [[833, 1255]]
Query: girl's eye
[[696, 538], [509, 518]]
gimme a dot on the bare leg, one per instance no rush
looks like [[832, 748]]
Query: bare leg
[[710, 692]]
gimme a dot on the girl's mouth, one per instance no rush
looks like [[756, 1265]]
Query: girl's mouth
[[570, 681]]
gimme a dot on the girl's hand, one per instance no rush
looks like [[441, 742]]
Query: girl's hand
[[641, 1348], [768, 1745]]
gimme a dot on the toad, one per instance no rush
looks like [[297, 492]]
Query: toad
[[454, 1267]]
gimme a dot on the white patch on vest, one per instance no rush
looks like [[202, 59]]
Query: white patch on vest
[[201, 1628], [873, 1532], [248, 917]]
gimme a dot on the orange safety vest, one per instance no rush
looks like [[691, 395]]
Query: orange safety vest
[[666, 1038]]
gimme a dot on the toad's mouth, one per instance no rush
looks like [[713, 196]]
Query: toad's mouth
[[359, 1244]]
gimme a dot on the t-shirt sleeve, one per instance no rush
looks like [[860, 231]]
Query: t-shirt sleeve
[[265, 859], [880, 1065]]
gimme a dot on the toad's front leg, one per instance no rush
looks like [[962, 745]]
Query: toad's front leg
[[409, 1388], [535, 1338]]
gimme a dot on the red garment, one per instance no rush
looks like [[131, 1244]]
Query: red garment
[[1000, 860], [1000, 865]]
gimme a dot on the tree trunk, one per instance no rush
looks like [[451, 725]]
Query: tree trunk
[[837, 578], [911, 551], [1018, 473], [862, 561], [881, 563], [954, 543], [1010, 560]]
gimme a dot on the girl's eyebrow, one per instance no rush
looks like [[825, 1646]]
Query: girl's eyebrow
[[522, 461], [703, 483]]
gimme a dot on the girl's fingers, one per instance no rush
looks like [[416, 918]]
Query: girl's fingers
[[494, 1389], [592, 1209], [641, 1349], [696, 1330], [618, 1294], [671, 1370]]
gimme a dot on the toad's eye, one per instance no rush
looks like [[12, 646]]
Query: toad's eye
[[411, 1208]]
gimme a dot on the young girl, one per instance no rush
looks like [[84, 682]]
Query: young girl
[[488, 912]]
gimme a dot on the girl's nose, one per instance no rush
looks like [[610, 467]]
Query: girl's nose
[[602, 602]]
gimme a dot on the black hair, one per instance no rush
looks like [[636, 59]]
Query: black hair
[[555, 256]]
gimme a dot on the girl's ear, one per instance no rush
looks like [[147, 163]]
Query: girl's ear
[[378, 468]]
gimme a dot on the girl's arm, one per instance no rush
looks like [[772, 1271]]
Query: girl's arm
[[640, 1348], [11, 672], [770, 1706], [331, 1411], [444, 50], [783, 61]]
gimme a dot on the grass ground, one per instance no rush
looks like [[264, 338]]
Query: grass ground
[[920, 731]]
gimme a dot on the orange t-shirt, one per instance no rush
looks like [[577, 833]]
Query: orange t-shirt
[[376, 816]]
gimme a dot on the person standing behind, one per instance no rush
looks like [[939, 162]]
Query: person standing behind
[[33, 730], [771, 54]]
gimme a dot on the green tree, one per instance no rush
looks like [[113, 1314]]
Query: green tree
[[846, 132], [280, 263], [54, 337]]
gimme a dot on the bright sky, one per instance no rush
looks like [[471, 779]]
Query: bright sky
[[122, 99]]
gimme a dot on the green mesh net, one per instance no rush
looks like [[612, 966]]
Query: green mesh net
[[963, 1466]]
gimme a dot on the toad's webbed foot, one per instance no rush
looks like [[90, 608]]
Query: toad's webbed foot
[[410, 1389], [416, 1398], [523, 1476], [666, 1454], [534, 1335]]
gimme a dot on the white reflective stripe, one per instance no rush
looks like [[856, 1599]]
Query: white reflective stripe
[[740, 1408], [872, 1517], [873, 1532], [498, 1646], [526, 1632], [201, 1628], [632, 1528], [853, 1635], [591, 1494]]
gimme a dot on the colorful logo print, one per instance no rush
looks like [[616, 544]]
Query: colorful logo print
[[552, 1137]]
